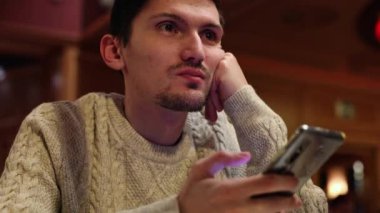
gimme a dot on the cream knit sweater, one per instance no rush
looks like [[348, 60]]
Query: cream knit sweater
[[84, 156]]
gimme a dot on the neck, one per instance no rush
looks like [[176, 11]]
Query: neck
[[156, 124]]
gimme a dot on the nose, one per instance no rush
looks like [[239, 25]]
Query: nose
[[193, 49]]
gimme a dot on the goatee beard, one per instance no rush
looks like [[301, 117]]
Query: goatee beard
[[182, 102], [191, 101]]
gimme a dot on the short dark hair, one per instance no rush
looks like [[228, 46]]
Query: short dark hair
[[124, 12]]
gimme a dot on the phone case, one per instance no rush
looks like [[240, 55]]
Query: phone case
[[308, 149]]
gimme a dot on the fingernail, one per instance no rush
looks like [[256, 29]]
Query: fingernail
[[244, 154]]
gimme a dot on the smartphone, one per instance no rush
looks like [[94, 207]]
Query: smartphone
[[308, 149]]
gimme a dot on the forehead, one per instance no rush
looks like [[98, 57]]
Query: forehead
[[193, 10]]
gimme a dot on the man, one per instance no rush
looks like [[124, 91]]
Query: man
[[152, 150]]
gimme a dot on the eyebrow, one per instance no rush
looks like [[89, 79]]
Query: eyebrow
[[179, 19]]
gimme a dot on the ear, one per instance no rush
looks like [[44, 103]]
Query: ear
[[110, 51]]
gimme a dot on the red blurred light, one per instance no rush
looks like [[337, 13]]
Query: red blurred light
[[377, 30]]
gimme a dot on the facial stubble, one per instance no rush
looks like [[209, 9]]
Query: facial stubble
[[190, 101]]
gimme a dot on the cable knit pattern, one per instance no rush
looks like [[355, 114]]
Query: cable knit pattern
[[84, 156], [257, 127]]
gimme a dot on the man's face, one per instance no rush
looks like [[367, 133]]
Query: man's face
[[173, 51]]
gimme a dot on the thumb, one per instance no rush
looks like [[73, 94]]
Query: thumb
[[209, 166]]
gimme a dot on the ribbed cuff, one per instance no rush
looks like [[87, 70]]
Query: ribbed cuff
[[244, 102]]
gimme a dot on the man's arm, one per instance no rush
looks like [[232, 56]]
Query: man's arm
[[28, 180], [263, 133], [259, 130]]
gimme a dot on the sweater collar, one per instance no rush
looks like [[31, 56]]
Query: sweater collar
[[128, 138]]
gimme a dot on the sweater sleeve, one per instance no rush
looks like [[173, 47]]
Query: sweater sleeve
[[259, 130], [262, 132], [28, 180], [167, 205]]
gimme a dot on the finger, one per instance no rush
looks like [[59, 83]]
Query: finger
[[276, 204], [214, 95], [264, 184], [209, 166], [210, 111]]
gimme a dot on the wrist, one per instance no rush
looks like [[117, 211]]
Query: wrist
[[233, 89]]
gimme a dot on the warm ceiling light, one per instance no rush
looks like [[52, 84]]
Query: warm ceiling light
[[377, 30], [369, 24], [336, 182]]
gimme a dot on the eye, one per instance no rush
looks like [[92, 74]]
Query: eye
[[168, 26], [210, 35]]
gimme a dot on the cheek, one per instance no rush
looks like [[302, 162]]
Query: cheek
[[157, 56], [143, 62]]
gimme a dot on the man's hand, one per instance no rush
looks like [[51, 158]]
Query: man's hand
[[204, 193], [228, 79]]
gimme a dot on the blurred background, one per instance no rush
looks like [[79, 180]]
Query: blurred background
[[314, 62]]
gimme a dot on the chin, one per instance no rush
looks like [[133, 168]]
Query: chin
[[190, 101]]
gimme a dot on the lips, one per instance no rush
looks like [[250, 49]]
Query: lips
[[192, 73]]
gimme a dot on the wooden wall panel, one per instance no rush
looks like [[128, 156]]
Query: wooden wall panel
[[95, 76], [283, 97], [23, 89], [320, 106]]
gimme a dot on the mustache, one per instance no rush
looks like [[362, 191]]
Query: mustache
[[191, 64]]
